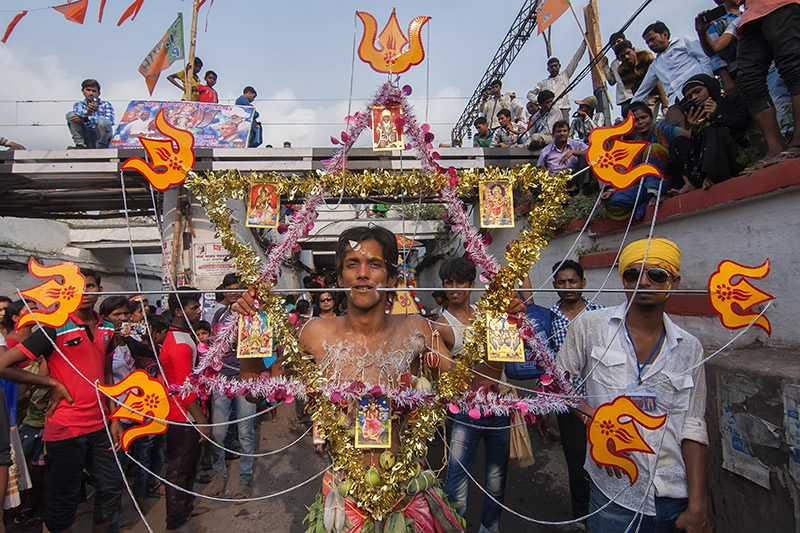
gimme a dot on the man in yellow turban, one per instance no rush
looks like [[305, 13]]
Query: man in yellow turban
[[635, 350]]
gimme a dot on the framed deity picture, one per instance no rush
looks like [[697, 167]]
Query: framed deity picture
[[263, 206], [496, 204], [387, 130], [503, 342], [374, 422], [255, 336]]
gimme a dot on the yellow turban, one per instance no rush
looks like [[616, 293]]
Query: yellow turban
[[663, 253]]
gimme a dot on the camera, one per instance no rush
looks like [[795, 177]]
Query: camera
[[688, 105]]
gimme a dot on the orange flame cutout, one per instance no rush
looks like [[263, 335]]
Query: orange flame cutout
[[390, 58], [66, 295], [175, 164], [613, 165], [724, 294], [606, 428], [150, 398]]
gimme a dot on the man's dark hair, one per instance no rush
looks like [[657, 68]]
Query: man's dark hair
[[178, 301], [112, 303], [5, 299], [621, 47], [568, 264], [382, 236], [91, 273], [496, 82], [614, 36], [560, 124], [219, 295], [504, 112], [90, 83], [157, 322], [211, 72], [249, 89], [640, 106], [14, 308], [202, 324], [657, 27], [198, 62], [439, 294], [458, 269], [230, 278], [302, 307], [545, 95], [479, 121]]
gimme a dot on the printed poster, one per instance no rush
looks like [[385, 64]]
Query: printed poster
[[213, 125], [503, 342], [374, 423], [263, 206], [211, 259], [255, 337], [496, 204], [386, 134]]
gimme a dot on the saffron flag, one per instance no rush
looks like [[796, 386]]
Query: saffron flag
[[12, 25], [74, 11], [168, 50], [548, 13]]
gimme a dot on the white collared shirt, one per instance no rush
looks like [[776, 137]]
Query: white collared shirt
[[682, 59], [680, 393]]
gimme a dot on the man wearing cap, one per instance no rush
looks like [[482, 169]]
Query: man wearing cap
[[558, 80], [519, 113], [585, 119], [635, 350]]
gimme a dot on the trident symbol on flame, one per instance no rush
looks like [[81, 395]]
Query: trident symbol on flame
[[66, 295], [389, 58]]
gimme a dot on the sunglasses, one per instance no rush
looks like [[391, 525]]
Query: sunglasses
[[326, 299], [657, 275]]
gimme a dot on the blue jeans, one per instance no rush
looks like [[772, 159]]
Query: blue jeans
[[463, 448], [149, 451], [97, 137], [221, 411], [616, 519]]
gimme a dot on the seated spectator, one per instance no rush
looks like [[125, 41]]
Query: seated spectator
[[508, 133], [723, 56], [496, 101], [676, 61], [585, 119], [709, 155], [566, 154], [624, 94], [542, 122], [769, 31], [482, 139], [178, 79], [558, 81], [519, 113], [11, 144], [631, 71], [91, 121], [207, 93], [660, 135]]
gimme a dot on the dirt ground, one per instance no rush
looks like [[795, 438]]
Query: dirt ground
[[539, 491]]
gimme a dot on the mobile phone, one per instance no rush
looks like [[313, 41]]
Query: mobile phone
[[713, 14], [687, 105]]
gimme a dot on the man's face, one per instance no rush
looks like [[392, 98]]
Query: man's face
[[90, 93], [496, 88], [197, 67], [363, 271], [250, 96], [647, 299], [546, 105], [568, 284], [628, 56], [211, 80], [698, 93], [160, 336], [455, 296], [504, 120], [89, 300], [585, 111], [227, 129], [483, 129], [118, 316], [192, 311], [617, 41], [326, 302], [3, 306], [554, 67], [231, 297], [642, 122], [561, 134], [532, 107], [657, 42], [144, 116]]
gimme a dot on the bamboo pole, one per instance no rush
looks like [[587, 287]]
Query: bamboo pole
[[187, 82], [591, 51]]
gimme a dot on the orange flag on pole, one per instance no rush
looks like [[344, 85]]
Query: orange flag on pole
[[74, 11], [12, 25], [131, 12], [168, 50], [548, 13]]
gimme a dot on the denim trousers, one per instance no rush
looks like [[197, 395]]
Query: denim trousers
[[97, 137], [617, 519], [464, 444], [221, 411]]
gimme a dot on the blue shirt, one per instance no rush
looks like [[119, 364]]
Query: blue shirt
[[243, 101], [105, 110], [682, 59]]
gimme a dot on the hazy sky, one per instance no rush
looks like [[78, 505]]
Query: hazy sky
[[298, 55]]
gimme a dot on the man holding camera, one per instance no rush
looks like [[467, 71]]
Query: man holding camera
[[91, 121]]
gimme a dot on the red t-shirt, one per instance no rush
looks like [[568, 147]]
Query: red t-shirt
[[207, 94], [178, 354], [88, 351]]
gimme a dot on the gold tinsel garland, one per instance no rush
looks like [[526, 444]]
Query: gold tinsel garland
[[214, 189]]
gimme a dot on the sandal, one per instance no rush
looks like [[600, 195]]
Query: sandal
[[765, 162]]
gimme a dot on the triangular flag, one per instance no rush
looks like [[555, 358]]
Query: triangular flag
[[549, 12], [12, 25], [102, 8], [131, 12], [168, 50], [74, 11]]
